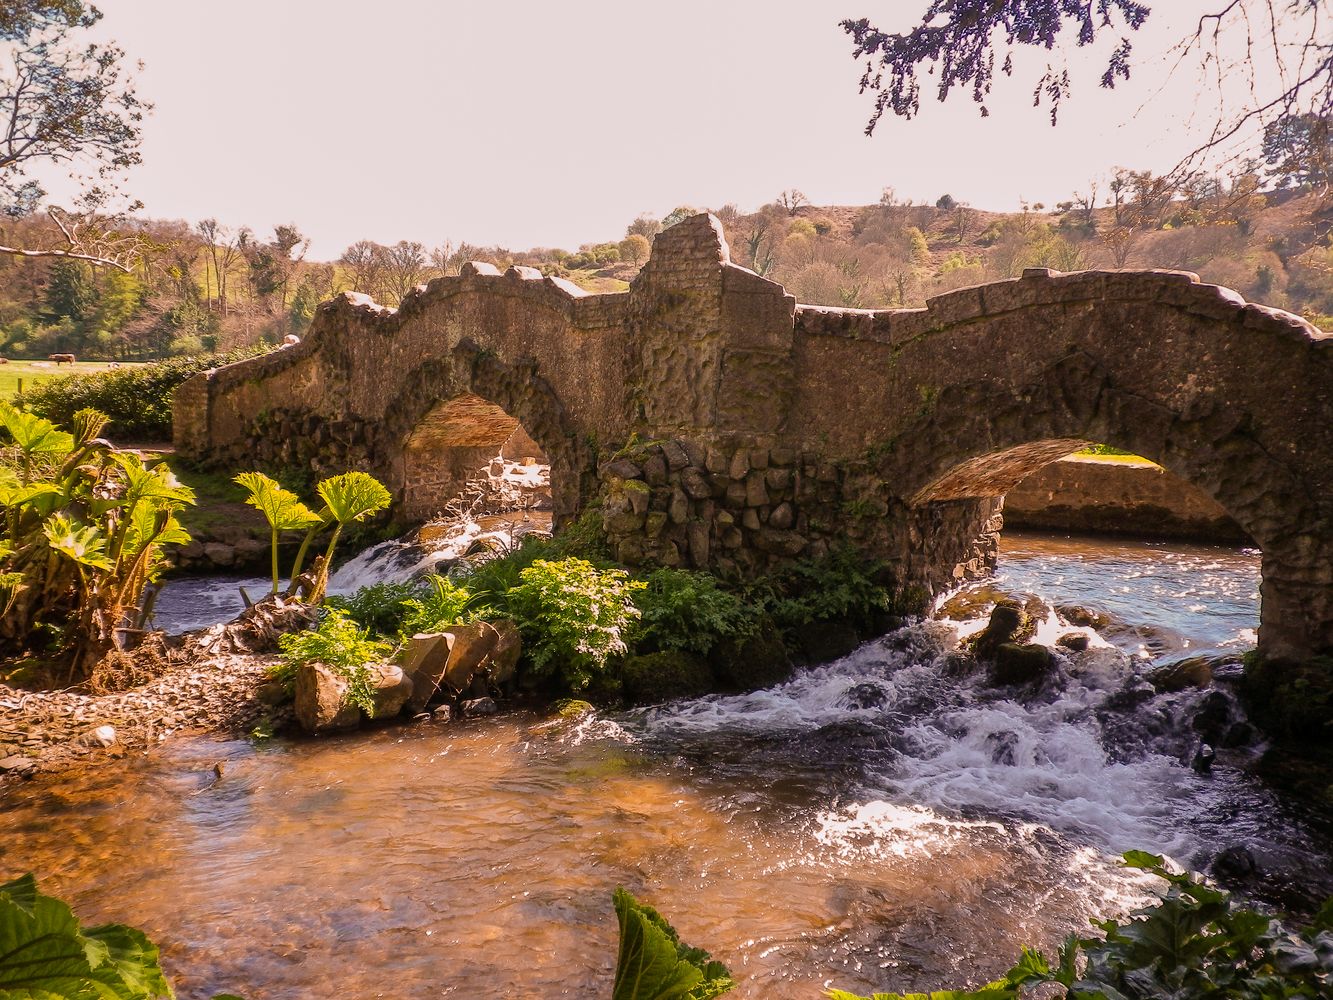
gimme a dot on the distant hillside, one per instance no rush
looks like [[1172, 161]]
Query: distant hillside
[[204, 288]]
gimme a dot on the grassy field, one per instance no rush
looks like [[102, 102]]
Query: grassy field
[[33, 372]]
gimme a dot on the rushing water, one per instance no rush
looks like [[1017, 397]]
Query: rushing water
[[874, 823]]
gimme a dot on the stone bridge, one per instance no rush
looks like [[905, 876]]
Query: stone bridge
[[720, 424]]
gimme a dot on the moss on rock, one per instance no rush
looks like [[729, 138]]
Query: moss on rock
[[655, 677]]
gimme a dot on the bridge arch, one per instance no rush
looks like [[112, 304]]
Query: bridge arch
[[1232, 398]]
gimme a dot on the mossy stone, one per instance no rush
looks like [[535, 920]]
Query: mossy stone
[[655, 677]]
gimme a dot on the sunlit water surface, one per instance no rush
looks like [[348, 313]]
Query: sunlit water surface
[[871, 824]]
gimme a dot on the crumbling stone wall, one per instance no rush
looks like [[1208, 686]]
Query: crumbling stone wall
[[723, 425]]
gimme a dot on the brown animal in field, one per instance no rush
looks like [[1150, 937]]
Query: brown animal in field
[[61, 359], [4, 361]]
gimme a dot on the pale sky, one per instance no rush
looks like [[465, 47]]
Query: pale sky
[[526, 123]]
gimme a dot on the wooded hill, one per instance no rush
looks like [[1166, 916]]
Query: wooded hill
[[205, 288]]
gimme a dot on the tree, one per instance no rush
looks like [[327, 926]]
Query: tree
[[1284, 54], [364, 262], [645, 225], [404, 268], [791, 200], [67, 104], [678, 214], [1299, 150], [634, 248], [272, 264]]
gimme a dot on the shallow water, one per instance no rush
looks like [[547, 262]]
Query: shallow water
[[871, 824]]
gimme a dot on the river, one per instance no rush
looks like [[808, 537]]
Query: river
[[872, 824]]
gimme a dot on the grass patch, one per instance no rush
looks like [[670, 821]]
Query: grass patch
[[33, 373]]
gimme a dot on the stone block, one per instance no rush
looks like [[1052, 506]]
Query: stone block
[[740, 463], [623, 468], [679, 508], [782, 517], [654, 524], [424, 659], [717, 461], [655, 470], [758, 458], [698, 544], [676, 456], [695, 484], [756, 489], [777, 479], [392, 690], [750, 519], [695, 452], [321, 700]]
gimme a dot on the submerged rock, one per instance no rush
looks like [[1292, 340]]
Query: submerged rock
[[1021, 664], [1009, 624], [1076, 642], [1192, 672]]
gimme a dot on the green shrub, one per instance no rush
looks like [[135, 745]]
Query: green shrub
[[137, 400], [44, 952], [574, 617], [439, 605], [842, 586], [1194, 942], [338, 643], [684, 610], [380, 607]]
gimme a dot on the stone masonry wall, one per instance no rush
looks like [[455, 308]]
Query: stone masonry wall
[[780, 430]]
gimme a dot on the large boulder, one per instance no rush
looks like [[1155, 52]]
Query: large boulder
[[321, 700], [392, 689], [1016, 663], [657, 677], [450, 661], [1009, 622]]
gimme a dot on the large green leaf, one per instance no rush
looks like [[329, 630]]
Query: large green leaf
[[157, 484], [282, 508], [653, 964], [85, 544], [32, 434], [352, 496], [46, 955]]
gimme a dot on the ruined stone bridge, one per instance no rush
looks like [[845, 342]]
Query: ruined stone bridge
[[720, 424]]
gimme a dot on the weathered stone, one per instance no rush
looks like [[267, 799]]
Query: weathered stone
[[724, 519], [638, 495], [102, 736], [654, 524], [717, 462], [679, 507], [750, 519], [740, 464], [778, 479], [469, 652], [756, 490], [699, 544], [479, 707], [1075, 641], [676, 456], [695, 484], [504, 654], [623, 522], [655, 470], [630, 551], [219, 554], [424, 660], [442, 713], [732, 538], [782, 517], [736, 494], [623, 468], [321, 700], [779, 543], [696, 453], [392, 689], [759, 458], [782, 456]]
